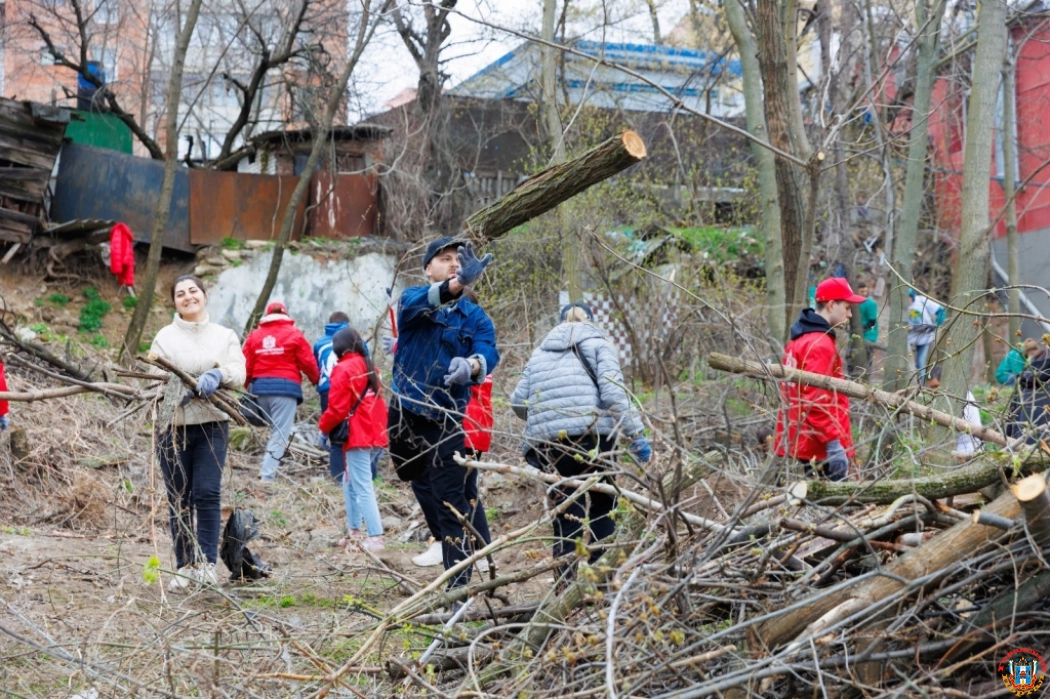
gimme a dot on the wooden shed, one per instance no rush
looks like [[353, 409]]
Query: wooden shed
[[30, 139]]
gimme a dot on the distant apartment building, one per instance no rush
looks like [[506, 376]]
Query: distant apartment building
[[130, 44]]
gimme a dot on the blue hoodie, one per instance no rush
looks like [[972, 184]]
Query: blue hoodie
[[323, 354], [326, 359]]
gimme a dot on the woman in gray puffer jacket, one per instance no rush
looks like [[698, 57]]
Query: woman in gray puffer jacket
[[572, 398]]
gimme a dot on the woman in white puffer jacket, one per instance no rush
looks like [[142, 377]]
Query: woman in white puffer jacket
[[574, 403]]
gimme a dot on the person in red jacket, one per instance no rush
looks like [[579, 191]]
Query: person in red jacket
[[813, 423], [4, 421], [354, 394], [276, 355]]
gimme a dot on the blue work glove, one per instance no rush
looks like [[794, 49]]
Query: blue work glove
[[4, 423], [389, 343], [836, 465], [641, 449], [208, 382], [458, 372], [322, 439], [470, 267]]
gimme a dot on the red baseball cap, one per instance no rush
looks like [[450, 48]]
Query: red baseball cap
[[837, 289], [276, 307]]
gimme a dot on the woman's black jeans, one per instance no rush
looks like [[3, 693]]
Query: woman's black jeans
[[593, 507], [192, 458]]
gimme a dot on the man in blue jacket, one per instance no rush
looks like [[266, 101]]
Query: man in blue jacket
[[325, 361], [446, 343]]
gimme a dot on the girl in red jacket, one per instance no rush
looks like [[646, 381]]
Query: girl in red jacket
[[354, 392]]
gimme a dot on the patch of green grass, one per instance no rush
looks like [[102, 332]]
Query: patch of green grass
[[93, 311], [58, 299], [38, 302], [278, 518], [144, 346], [40, 328], [18, 531], [229, 243], [99, 341], [129, 302], [492, 513], [286, 601]]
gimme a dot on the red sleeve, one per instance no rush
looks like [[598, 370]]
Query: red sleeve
[[304, 355], [339, 398], [3, 387], [818, 405], [249, 358]]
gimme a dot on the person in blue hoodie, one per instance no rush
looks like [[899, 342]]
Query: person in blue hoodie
[[446, 344], [326, 359]]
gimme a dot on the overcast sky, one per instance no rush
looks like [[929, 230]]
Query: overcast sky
[[387, 68]]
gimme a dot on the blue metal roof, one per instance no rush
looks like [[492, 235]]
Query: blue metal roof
[[651, 57]]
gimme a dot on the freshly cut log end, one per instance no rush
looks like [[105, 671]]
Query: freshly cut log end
[[1028, 489], [633, 144], [1035, 503]]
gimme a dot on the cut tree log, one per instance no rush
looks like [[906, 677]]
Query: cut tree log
[[545, 190], [988, 469], [736, 365], [1035, 503], [924, 562]]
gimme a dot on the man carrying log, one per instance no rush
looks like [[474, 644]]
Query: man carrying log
[[813, 423], [446, 344]]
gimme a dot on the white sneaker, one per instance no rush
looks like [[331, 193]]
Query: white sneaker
[[431, 557], [184, 576], [206, 575]]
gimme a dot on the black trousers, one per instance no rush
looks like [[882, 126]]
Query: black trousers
[[424, 449], [192, 458], [593, 508], [431, 507]]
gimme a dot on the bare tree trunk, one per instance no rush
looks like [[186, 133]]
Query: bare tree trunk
[[1013, 266], [365, 30], [776, 30], [655, 20], [747, 48], [898, 358], [171, 155], [973, 258], [839, 240], [570, 260]]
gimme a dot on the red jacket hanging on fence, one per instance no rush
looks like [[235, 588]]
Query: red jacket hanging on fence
[[122, 254], [478, 422], [811, 417]]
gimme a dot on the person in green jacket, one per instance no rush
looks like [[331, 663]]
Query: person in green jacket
[[1015, 362], [869, 315]]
